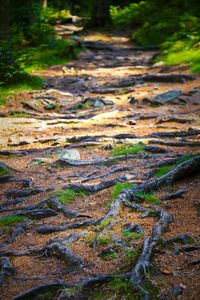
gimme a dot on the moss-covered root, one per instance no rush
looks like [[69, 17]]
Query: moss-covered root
[[139, 270]]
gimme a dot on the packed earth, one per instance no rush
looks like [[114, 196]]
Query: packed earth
[[99, 177]]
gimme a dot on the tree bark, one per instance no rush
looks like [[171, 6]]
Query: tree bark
[[100, 13], [44, 4], [4, 19]]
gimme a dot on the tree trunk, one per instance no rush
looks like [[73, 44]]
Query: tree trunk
[[44, 4], [4, 19], [100, 13]]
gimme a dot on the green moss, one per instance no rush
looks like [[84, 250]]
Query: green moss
[[148, 197], [21, 82], [190, 56], [4, 171], [19, 114], [106, 222], [68, 196], [122, 289], [184, 158], [8, 222], [130, 234], [119, 187], [131, 255], [127, 149], [163, 170], [70, 292], [104, 239]]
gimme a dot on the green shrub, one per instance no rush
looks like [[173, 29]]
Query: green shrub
[[8, 65], [54, 53], [128, 15], [52, 15]]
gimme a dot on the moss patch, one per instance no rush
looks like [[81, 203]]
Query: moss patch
[[133, 235], [119, 187], [68, 196], [162, 170], [8, 222], [127, 149], [148, 197]]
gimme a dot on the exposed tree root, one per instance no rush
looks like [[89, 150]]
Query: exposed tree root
[[87, 283], [58, 249], [138, 273], [139, 270], [112, 171], [19, 229], [176, 144], [178, 172], [177, 194], [6, 269], [24, 193]]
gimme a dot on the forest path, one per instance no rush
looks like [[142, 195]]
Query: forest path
[[111, 116]]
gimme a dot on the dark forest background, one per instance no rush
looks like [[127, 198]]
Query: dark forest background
[[28, 40]]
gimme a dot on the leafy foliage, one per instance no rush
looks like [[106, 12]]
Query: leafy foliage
[[174, 25]]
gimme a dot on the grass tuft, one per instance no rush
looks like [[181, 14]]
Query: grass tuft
[[127, 149], [119, 187], [68, 196], [162, 170], [8, 222], [104, 239], [5, 171], [21, 82], [148, 197], [190, 56], [133, 235]]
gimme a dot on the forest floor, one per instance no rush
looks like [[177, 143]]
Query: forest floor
[[111, 116]]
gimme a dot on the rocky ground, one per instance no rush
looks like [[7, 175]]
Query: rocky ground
[[99, 179]]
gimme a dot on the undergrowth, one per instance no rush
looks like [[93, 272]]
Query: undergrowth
[[22, 82]]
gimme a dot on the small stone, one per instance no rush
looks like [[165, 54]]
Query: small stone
[[49, 106], [168, 96], [71, 154]]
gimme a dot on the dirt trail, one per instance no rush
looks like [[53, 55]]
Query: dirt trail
[[109, 101]]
